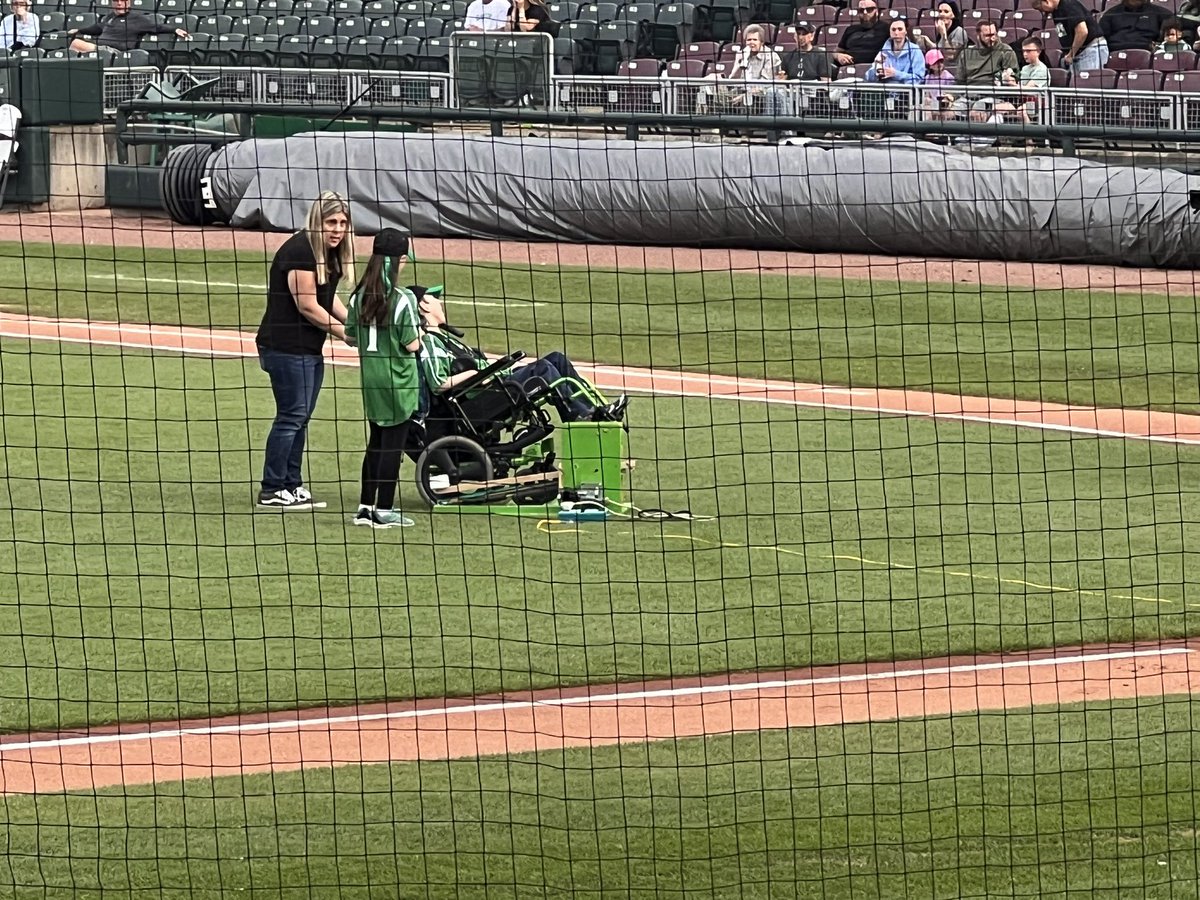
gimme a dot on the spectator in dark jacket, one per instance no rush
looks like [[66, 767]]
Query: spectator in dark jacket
[[1134, 24], [863, 40], [120, 29]]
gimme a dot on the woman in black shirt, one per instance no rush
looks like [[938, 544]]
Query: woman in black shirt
[[530, 15], [302, 308]]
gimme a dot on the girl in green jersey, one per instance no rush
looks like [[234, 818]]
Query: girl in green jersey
[[382, 322]]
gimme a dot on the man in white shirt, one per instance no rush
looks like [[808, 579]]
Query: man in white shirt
[[488, 15]]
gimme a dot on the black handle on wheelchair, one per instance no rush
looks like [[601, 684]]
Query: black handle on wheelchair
[[483, 375]]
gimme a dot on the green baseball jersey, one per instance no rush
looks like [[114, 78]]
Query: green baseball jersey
[[390, 381], [439, 351]]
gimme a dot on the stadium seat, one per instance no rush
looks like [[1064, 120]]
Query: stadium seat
[[206, 7], [672, 28], [973, 17], [825, 14], [258, 24], [1096, 78], [638, 12], [132, 59], [828, 37], [380, 9], [686, 68], [311, 8], [639, 68], [75, 6], [343, 9], [426, 28], [364, 53], [563, 11], [1059, 77], [415, 9], [450, 10], [353, 26], [389, 27], [186, 21], [399, 53], [187, 52], [294, 51], [1125, 60], [225, 50], [218, 24], [1027, 19], [53, 21], [719, 20], [328, 51], [243, 8], [597, 12], [172, 7], [708, 51], [434, 55], [857, 70], [146, 6], [261, 50], [276, 7], [57, 40], [909, 10], [57, 53], [563, 56], [1173, 62], [284, 25], [28, 53], [80, 20], [1182, 82], [319, 26], [615, 41], [1139, 80]]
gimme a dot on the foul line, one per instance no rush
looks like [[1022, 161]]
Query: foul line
[[586, 699]]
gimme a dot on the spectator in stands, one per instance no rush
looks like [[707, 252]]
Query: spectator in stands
[[1083, 43], [1172, 38], [900, 61], [1034, 74], [949, 35], [987, 111], [937, 78], [20, 28], [120, 29], [531, 15], [1133, 25], [755, 62], [988, 60], [487, 15], [806, 62], [863, 40]]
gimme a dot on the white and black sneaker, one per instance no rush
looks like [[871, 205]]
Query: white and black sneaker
[[303, 496], [282, 499]]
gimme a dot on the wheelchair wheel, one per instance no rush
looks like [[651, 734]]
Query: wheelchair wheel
[[446, 463]]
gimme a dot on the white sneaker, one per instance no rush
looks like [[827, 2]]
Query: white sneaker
[[302, 495], [389, 518]]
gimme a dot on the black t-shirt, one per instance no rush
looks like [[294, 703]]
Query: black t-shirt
[[284, 329], [809, 65], [864, 42], [542, 15], [1067, 18]]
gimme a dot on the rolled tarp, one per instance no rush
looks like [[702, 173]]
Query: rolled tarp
[[894, 197]]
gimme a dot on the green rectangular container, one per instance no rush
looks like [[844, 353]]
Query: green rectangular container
[[592, 453], [61, 91]]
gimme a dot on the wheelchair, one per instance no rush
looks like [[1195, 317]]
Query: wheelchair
[[488, 440]]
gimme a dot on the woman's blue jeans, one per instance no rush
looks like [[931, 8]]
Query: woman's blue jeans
[[296, 383]]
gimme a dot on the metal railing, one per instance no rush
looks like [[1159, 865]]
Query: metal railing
[[290, 88]]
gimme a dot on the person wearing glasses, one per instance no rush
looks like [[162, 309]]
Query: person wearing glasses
[[863, 40], [20, 29]]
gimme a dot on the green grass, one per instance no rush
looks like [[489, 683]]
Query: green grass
[[1097, 801], [1096, 348], [136, 581]]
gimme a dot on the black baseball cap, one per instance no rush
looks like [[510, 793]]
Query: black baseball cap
[[807, 27]]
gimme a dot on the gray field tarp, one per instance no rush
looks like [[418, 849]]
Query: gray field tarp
[[898, 197]]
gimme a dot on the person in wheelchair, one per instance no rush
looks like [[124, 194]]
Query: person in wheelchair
[[446, 362]]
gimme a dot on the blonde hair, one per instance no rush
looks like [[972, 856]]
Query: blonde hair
[[330, 203]]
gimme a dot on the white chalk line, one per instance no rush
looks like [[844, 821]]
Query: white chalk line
[[583, 700], [620, 377]]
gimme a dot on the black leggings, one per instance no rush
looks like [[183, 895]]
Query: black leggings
[[381, 465]]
